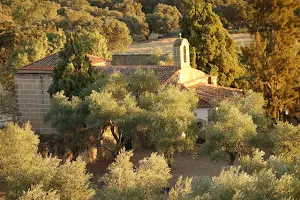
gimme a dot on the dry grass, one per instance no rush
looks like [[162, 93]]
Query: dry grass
[[166, 44]]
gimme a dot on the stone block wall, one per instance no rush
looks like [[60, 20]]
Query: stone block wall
[[33, 100], [131, 59]]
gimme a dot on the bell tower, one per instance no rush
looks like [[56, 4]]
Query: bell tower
[[181, 53]]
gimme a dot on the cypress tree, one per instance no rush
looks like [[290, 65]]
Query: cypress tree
[[273, 69], [74, 71], [272, 61], [193, 58], [215, 49]]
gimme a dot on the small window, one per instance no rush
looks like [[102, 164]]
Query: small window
[[184, 54], [210, 80]]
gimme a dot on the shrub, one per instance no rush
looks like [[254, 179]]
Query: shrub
[[182, 189], [37, 193], [124, 182], [23, 167]]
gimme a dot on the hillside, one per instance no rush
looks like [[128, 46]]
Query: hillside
[[166, 44]]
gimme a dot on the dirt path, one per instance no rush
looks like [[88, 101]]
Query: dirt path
[[184, 165]]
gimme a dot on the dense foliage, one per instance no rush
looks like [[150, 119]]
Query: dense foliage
[[134, 110], [235, 128], [74, 70], [164, 19], [272, 61], [235, 15]]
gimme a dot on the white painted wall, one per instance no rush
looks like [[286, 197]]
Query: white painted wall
[[202, 113]]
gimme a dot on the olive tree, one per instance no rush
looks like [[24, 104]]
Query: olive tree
[[164, 19], [22, 167], [131, 110], [123, 181], [230, 134]]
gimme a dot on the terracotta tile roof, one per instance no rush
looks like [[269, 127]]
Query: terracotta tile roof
[[45, 64], [165, 74], [48, 63], [208, 94], [203, 103]]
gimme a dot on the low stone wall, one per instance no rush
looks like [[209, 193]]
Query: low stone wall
[[131, 59], [33, 100]]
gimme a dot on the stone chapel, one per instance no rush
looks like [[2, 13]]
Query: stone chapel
[[34, 79]]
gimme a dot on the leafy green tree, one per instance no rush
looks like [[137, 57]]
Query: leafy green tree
[[6, 18], [136, 26], [230, 134], [148, 6], [143, 81], [164, 19], [74, 70], [270, 16], [96, 45], [72, 181], [74, 4], [76, 19], [171, 124], [103, 3], [250, 106], [37, 192], [182, 189], [237, 14], [7, 35], [132, 13], [124, 182], [48, 40], [117, 34], [286, 138], [234, 183], [214, 47], [26, 168], [109, 106], [11, 158], [29, 12]]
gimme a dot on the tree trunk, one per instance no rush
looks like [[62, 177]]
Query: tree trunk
[[232, 156]]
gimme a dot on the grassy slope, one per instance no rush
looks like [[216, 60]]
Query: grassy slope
[[166, 44]]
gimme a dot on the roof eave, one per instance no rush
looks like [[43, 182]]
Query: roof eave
[[20, 71]]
